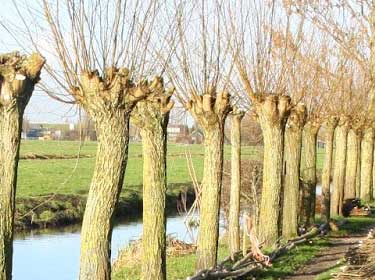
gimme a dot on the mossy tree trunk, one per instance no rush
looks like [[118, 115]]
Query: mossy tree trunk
[[235, 190], [18, 76], [339, 166], [308, 172], [292, 159], [327, 168], [351, 163], [210, 111], [367, 158], [108, 100], [272, 113], [151, 116]]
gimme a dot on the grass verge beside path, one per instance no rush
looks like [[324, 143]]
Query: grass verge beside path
[[183, 266]]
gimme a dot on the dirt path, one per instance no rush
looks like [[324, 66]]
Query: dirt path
[[327, 258]]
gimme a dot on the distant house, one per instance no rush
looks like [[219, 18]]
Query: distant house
[[178, 132], [46, 131]]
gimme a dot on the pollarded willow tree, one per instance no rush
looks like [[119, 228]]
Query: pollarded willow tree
[[18, 76], [201, 87], [151, 116], [350, 96], [267, 78], [302, 78], [97, 50], [356, 39]]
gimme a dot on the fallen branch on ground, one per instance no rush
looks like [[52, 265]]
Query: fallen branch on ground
[[249, 263]]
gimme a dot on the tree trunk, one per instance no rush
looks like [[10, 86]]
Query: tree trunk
[[367, 164], [106, 184], [272, 114], [308, 173], [210, 110], [372, 191], [235, 190], [10, 131], [326, 175], [154, 189], [108, 100], [351, 165], [292, 159], [151, 116], [210, 200], [358, 175], [340, 164], [18, 75]]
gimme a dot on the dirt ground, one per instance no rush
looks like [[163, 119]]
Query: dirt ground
[[327, 258]]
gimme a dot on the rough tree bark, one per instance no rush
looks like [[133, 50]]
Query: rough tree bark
[[18, 76], [151, 116], [272, 114], [353, 147], [108, 100], [372, 191], [330, 126], [339, 165], [308, 172], [210, 111], [358, 175], [235, 190], [367, 158], [292, 159]]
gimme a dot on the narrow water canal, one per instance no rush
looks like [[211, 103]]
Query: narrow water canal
[[54, 254]]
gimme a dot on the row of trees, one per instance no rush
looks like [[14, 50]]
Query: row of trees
[[265, 53]]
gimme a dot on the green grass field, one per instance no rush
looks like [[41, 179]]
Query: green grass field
[[72, 176]]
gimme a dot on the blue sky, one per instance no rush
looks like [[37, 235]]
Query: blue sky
[[41, 107]]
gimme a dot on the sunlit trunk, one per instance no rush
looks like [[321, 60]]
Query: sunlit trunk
[[151, 116], [210, 111], [339, 166], [235, 190], [327, 168], [358, 175], [110, 109], [351, 164], [292, 159], [367, 158], [272, 114], [18, 75]]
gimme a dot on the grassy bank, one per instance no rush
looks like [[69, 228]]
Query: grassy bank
[[183, 266], [56, 210]]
